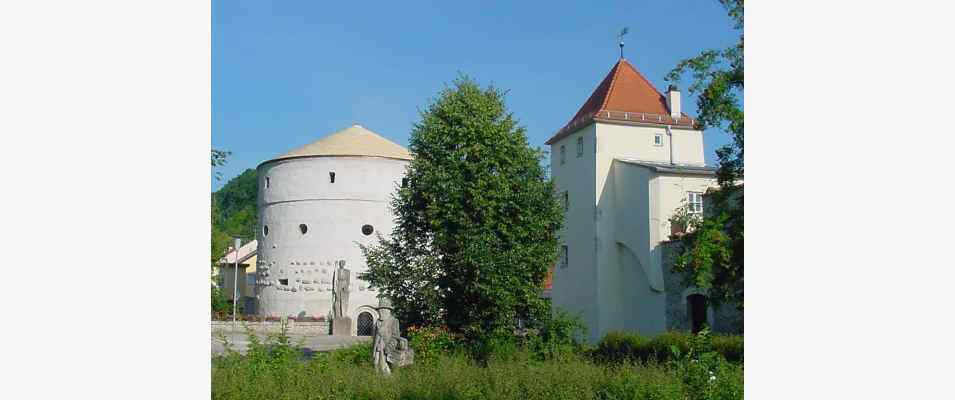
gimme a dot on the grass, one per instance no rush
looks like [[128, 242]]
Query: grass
[[274, 370]]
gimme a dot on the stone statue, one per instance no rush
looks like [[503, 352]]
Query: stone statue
[[341, 323], [390, 350]]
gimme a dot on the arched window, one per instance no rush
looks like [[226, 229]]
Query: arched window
[[696, 310], [366, 324]]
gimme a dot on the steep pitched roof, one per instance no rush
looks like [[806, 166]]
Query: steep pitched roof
[[623, 95], [352, 141]]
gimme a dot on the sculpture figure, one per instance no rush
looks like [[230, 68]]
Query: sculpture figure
[[341, 323], [390, 350], [341, 282]]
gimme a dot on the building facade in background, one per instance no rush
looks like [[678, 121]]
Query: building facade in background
[[225, 279], [622, 166], [316, 204]]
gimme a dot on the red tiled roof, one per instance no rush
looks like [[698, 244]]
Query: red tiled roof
[[623, 95]]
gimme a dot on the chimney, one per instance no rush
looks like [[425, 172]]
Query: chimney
[[673, 101]]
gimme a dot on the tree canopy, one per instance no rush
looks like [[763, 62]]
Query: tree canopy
[[476, 222], [712, 258], [234, 212]]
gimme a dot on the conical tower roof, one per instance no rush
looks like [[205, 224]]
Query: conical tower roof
[[623, 95], [352, 141]]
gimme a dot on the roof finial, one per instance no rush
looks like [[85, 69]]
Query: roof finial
[[623, 31]]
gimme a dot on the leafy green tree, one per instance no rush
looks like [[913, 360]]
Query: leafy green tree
[[712, 258], [219, 158], [234, 212], [476, 223]]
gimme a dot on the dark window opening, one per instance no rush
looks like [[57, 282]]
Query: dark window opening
[[283, 282], [303, 228], [367, 229], [404, 182], [267, 183], [366, 324], [331, 176], [696, 305], [265, 230]]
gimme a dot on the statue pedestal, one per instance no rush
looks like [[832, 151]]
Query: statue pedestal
[[341, 326]]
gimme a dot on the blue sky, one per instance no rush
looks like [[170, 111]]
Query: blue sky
[[287, 73]]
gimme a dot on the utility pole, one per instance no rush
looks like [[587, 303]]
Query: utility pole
[[235, 282]]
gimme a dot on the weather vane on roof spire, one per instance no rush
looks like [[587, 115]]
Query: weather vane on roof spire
[[623, 31]]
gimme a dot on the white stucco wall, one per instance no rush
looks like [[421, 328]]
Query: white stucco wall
[[619, 215], [673, 190], [575, 288], [300, 192], [633, 141]]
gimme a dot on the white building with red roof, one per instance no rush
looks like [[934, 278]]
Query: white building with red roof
[[622, 165]]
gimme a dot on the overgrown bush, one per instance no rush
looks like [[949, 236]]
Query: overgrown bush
[[459, 377], [431, 342], [221, 304], [630, 347], [275, 369], [557, 336]]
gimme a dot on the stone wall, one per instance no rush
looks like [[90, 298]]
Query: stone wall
[[294, 328], [725, 319]]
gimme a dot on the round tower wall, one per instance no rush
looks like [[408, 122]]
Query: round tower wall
[[295, 269]]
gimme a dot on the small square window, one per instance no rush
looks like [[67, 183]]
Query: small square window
[[283, 282], [580, 147], [563, 257], [563, 155], [694, 201], [658, 140]]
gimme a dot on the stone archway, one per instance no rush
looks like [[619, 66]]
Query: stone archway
[[366, 324]]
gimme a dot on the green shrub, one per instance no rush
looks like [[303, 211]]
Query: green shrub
[[617, 347], [623, 347], [430, 342], [730, 346]]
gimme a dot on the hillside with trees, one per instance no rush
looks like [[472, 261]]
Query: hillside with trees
[[233, 212]]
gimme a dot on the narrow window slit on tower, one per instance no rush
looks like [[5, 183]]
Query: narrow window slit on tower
[[331, 176]]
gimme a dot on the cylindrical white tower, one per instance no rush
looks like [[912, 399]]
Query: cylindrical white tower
[[315, 205]]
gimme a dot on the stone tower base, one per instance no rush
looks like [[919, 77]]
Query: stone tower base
[[341, 326]]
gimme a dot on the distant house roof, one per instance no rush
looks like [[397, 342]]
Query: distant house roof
[[670, 168], [623, 95], [352, 141], [245, 252]]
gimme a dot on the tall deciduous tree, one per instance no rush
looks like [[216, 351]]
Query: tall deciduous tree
[[712, 258], [476, 223]]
